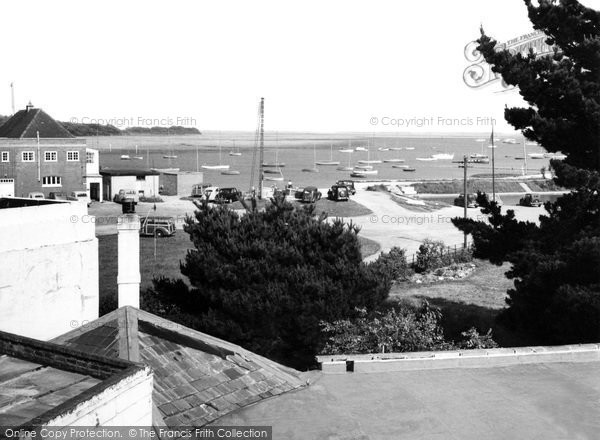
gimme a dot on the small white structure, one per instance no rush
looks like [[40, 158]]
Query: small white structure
[[144, 182], [92, 177], [48, 267], [128, 259]]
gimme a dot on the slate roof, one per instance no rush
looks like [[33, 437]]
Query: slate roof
[[40, 381], [27, 123], [197, 378], [28, 389]]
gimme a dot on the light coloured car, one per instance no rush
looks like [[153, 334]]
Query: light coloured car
[[124, 194], [80, 196], [36, 195]]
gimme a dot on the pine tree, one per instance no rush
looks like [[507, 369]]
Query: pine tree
[[265, 280], [556, 295]]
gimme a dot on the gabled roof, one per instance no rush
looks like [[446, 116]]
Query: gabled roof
[[27, 123], [197, 378]]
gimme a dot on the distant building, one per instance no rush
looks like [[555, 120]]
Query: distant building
[[48, 267], [37, 154], [178, 183], [143, 182]]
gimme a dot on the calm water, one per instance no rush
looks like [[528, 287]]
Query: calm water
[[298, 151]]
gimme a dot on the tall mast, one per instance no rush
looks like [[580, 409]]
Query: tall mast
[[261, 147], [12, 97]]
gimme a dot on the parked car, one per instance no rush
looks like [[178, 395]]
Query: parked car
[[310, 194], [80, 196], [57, 196], [227, 195], [530, 200], [157, 226], [471, 201], [338, 193], [36, 195], [210, 194], [127, 194], [348, 184], [199, 188]]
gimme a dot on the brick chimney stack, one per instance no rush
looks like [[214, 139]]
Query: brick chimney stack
[[128, 278]]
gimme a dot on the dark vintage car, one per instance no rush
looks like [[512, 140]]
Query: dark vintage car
[[157, 226], [530, 200], [471, 201], [348, 184], [338, 193], [227, 195], [310, 194]]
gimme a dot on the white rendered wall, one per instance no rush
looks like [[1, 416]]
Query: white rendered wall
[[48, 269]]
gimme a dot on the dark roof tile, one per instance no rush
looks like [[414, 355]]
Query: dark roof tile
[[197, 378], [28, 123]]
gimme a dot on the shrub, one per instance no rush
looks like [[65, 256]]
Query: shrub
[[434, 254], [393, 265], [407, 328], [473, 340]]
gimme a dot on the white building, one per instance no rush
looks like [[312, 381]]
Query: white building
[[48, 267], [143, 182]]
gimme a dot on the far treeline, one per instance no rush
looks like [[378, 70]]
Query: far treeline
[[77, 129]]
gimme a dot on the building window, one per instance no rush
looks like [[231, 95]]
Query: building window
[[72, 156], [89, 157], [51, 181], [140, 177], [28, 156], [5, 156], [50, 156]]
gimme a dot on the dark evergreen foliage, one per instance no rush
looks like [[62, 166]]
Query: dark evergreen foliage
[[556, 265], [266, 279]]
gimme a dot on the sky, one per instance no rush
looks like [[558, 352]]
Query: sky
[[361, 66]]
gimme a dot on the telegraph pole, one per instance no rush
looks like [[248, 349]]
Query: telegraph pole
[[493, 168], [465, 162], [261, 147]]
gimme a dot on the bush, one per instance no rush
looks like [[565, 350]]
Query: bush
[[473, 340], [434, 254], [393, 265], [400, 329], [407, 328]]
